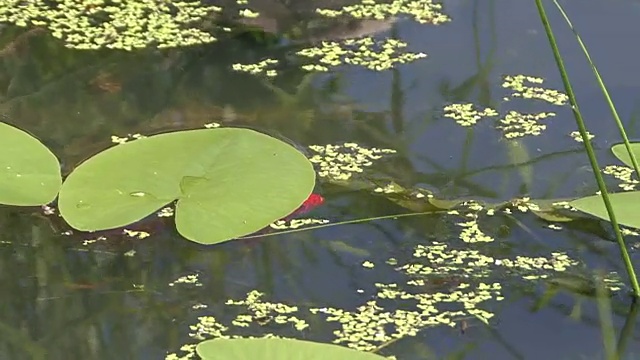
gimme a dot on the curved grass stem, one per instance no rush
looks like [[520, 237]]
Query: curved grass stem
[[589, 149]]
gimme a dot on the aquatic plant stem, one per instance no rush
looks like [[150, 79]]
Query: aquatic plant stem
[[589, 149], [603, 88]]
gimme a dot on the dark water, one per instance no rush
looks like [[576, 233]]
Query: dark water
[[113, 300]]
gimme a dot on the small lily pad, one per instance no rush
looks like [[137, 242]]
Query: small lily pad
[[277, 349], [228, 182], [620, 151], [626, 206], [29, 171]]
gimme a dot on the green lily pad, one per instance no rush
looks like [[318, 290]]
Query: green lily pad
[[277, 349], [29, 171], [626, 205], [229, 182], [620, 151]]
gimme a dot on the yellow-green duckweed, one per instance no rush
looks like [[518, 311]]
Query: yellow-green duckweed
[[466, 114], [575, 135], [258, 68], [623, 173], [341, 162], [366, 52], [519, 84], [125, 25], [296, 223], [423, 11], [516, 124]]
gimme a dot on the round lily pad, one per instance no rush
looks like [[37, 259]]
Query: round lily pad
[[625, 205], [229, 182], [277, 349], [29, 171]]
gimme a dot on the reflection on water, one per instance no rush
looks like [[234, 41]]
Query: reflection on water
[[474, 284]]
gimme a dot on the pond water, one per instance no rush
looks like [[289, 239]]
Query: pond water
[[496, 283]]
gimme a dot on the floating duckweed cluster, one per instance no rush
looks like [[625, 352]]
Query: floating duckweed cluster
[[191, 279], [524, 204], [370, 326], [466, 114], [423, 11], [296, 223], [575, 135], [165, 212], [517, 83], [93, 241], [125, 25], [392, 188], [121, 140], [471, 264], [366, 52], [624, 174], [472, 232], [262, 312], [340, 162], [258, 68], [136, 234], [516, 125]]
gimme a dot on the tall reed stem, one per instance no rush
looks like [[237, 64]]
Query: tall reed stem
[[589, 148]]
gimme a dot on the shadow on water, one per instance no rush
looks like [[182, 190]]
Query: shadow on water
[[68, 295]]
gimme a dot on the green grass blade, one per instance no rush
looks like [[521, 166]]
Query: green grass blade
[[589, 148]]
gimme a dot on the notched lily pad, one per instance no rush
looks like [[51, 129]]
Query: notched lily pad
[[228, 183], [29, 171], [620, 151], [277, 349], [625, 206]]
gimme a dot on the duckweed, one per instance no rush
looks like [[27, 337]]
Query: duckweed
[[136, 234], [624, 174], [297, 223], [365, 52], [341, 162], [575, 135], [423, 11], [519, 85], [125, 25], [516, 125], [259, 68], [466, 114], [278, 312], [191, 279]]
